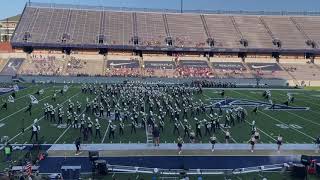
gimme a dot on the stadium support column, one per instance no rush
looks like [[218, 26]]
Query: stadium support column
[[68, 57], [28, 57], [105, 59]]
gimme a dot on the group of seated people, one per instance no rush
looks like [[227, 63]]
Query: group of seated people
[[153, 41], [75, 63], [203, 72], [43, 65], [124, 72], [290, 69]]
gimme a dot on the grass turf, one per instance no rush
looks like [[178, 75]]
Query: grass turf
[[295, 126]]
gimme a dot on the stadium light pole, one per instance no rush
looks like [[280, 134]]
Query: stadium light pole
[[181, 6]]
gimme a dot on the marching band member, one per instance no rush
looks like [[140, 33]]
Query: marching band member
[[213, 141]]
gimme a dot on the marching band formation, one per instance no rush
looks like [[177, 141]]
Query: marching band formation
[[153, 108]]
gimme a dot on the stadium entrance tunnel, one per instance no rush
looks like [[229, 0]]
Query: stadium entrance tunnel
[[67, 50], [28, 49], [103, 51]]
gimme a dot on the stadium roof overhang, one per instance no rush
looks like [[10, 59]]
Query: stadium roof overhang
[[164, 49]]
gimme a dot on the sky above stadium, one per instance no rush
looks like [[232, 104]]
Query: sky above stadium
[[14, 7]]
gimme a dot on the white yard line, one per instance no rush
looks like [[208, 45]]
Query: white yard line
[[64, 132], [25, 106], [29, 94], [8, 93], [263, 132], [315, 123], [21, 110], [41, 118], [278, 119], [305, 102], [221, 127], [299, 99], [145, 123], [105, 134], [288, 126]]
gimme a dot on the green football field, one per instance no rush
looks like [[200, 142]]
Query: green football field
[[296, 126]]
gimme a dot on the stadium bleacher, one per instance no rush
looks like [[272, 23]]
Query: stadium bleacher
[[45, 26], [280, 26], [151, 29], [164, 43], [161, 65]]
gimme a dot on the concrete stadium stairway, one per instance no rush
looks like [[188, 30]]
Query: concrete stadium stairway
[[294, 79], [3, 63]]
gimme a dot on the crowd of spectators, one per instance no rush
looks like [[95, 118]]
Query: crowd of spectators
[[124, 72], [75, 63], [43, 65], [204, 72], [290, 69]]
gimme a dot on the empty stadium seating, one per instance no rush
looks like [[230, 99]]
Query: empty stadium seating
[[310, 26], [164, 44], [302, 71], [284, 29], [151, 29], [88, 28], [223, 31], [254, 31], [186, 30]]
